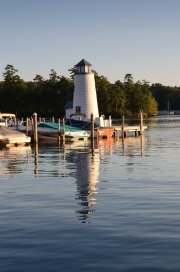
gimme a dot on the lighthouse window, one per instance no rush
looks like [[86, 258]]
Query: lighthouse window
[[78, 109], [82, 69], [86, 69]]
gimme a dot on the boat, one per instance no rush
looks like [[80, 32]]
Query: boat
[[99, 132], [10, 137], [49, 132], [7, 119]]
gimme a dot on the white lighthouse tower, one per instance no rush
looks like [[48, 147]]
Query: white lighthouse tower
[[85, 98]]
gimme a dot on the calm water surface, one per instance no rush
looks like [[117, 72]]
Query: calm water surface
[[114, 209]]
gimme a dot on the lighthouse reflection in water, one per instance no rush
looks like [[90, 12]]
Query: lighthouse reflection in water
[[87, 163]]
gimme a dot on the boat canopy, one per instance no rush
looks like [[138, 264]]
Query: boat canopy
[[55, 126], [7, 115]]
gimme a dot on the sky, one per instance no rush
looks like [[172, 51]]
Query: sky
[[118, 37]]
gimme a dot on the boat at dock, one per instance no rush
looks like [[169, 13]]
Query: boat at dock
[[49, 132], [7, 119], [10, 137]]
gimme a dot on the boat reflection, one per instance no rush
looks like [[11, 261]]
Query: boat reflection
[[14, 159]]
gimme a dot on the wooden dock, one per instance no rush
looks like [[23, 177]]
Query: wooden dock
[[136, 129]]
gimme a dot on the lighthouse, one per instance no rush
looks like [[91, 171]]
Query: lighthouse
[[85, 98]]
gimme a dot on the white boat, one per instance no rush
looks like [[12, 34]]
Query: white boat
[[7, 119], [10, 137]]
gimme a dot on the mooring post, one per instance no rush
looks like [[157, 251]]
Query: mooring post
[[36, 158], [63, 121], [32, 129], [58, 130], [62, 136], [52, 119], [39, 119], [141, 122], [109, 120], [35, 128], [92, 126], [27, 125], [122, 130], [6, 122], [92, 147]]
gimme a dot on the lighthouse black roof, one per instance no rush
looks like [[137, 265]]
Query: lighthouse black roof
[[83, 62]]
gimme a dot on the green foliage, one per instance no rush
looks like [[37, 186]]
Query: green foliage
[[73, 71], [48, 97], [12, 91], [165, 95]]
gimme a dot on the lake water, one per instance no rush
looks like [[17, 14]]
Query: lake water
[[114, 209]]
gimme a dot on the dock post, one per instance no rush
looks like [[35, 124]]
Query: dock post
[[32, 128], [52, 119], [62, 138], [39, 119], [27, 125], [36, 158], [63, 122], [92, 147], [110, 121], [92, 126], [123, 133], [58, 130], [62, 135], [15, 121], [122, 130], [35, 127], [6, 123], [92, 133], [141, 122]]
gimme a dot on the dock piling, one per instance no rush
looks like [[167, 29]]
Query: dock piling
[[27, 125], [59, 130], [110, 121], [123, 132], [35, 128], [141, 122], [63, 122], [92, 126], [36, 158]]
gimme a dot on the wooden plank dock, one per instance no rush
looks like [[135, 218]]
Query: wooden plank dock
[[136, 129]]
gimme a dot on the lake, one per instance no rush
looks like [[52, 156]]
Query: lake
[[114, 208]]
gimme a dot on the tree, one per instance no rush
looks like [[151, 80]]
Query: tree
[[53, 76], [118, 103], [128, 90], [13, 89], [73, 71], [38, 79]]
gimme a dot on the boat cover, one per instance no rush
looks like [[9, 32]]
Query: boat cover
[[55, 126], [5, 131]]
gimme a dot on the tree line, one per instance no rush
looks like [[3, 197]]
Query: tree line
[[48, 97]]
